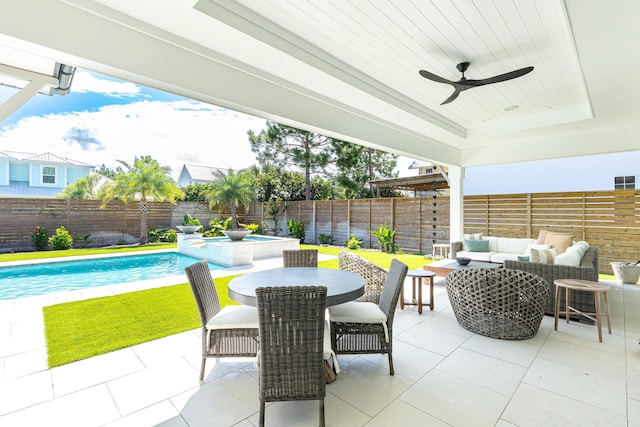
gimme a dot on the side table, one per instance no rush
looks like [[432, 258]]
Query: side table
[[417, 277], [583, 285], [443, 250]]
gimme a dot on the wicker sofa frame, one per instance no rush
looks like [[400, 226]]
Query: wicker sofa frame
[[498, 303], [588, 270], [373, 274]]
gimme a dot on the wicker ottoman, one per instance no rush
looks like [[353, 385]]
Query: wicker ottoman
[[498, 303]]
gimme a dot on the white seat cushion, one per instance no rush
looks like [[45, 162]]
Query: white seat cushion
[[359, 312], [234, 317]]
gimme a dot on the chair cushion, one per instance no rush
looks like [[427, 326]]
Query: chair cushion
[[234, 317], [359, 312]]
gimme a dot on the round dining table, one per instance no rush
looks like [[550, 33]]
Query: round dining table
[[342, 286]]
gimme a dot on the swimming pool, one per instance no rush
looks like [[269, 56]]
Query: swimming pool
[[39, 279]]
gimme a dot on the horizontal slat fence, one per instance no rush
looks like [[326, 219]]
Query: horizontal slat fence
[[609, 220]]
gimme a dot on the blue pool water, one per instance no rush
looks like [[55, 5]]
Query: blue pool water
[[39, 279]]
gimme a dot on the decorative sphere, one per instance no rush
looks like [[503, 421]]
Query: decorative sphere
[[463, 260]]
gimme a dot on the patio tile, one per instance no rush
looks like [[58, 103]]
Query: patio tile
[[408, 360], [367, 386], [515, 351], [455, 401], [161, 351], [25, 363], [162, 414], [223, 401], [86, 408], [145, 388], [432, 339], [484, 371], [25, 391], [534, 407], [402, 414], [94, 370], [585, 384]]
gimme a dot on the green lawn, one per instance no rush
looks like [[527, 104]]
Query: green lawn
[[81, 329]]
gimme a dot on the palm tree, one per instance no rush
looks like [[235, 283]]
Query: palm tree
[[145, 179], [231, 189]]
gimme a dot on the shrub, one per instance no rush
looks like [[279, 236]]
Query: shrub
[[39, 238], [171, 236], [61, 240], [353, 242], [254, 228], [385, 234], [326, 239], [296, 229]]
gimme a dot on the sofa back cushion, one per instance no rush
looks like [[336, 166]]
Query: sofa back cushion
[[573, 255], [513, 245], [559, 241]]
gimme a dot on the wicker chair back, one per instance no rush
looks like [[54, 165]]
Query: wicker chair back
[[300, 257]]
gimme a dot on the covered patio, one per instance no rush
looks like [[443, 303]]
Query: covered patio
[[445, 376], [350, 70]]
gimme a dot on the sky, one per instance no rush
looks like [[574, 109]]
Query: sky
[[103, 120]]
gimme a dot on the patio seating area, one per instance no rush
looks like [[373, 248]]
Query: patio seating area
[[444, 375]]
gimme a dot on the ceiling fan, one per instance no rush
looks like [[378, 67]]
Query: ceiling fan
[[464, 84]]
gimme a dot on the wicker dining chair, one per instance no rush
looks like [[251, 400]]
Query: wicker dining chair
[[364, 327], [300, 257], [291, 364], [228, 332], [373, 274]]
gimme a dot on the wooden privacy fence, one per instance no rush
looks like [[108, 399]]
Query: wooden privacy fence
[[609, 220]]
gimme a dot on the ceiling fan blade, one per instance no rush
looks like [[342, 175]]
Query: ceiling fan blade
[[431, 76], [500, 78], [453, 96]]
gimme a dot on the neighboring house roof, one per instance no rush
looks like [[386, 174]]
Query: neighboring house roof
[[42, 158], [191, 174]]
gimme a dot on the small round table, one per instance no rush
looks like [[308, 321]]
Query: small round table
[[582, 285], [417, 277], [342, 286]]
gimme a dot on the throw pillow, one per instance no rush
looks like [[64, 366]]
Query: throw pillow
[[476, 245], [530, 246], [473, 236], [559, 241], [543, 256], [523, 258]]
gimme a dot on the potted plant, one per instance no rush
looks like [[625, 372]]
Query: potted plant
[[189, 224]]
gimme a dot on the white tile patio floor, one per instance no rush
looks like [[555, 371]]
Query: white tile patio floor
[[445, 376]]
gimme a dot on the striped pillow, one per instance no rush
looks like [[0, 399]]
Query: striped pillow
[[543, 256]]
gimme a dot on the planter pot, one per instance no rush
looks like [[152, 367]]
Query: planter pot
[[188, 229], [626, 272], [236, 234]]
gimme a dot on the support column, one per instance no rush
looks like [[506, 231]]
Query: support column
[[456, 214]]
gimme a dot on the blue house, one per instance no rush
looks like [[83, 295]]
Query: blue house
[[37, 175]]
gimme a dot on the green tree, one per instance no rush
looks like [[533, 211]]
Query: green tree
[[145, 180], [231, 189], [81, 188], [308, 152], [108, 172], [196, 192], [357, 165]]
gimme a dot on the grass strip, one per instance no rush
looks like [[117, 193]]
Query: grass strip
[[81, 329]]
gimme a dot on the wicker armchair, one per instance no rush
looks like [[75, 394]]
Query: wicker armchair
[[588, 270], [291, 361], [366, 327], [498, 303], [228, 332], [300, 257], [373, 274]]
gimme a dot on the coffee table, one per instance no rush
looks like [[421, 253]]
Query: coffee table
[[446, 266]]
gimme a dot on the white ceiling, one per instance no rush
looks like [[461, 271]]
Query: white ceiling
[[349, 68]]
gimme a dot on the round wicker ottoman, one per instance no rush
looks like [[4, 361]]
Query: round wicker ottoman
[[498, 303]]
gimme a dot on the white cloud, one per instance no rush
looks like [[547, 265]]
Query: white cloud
[[86, 82], [173, 133]]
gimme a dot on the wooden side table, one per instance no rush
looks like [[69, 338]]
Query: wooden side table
[[443, 250], [417, 277], [588, 286]]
